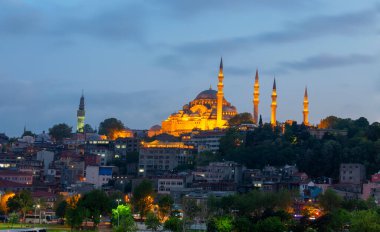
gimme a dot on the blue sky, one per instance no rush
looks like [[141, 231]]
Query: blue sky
[[141, 60]]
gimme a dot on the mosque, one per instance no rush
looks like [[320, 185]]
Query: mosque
[[210, 110]]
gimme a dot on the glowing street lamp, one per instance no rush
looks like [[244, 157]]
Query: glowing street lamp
[[35, 213]]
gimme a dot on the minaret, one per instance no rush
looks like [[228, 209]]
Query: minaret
[[273, 120], [305, 108], [80, 115], [256, 101], [220, 96]]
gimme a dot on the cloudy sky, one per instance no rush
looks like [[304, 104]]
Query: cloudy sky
[[141, 60]]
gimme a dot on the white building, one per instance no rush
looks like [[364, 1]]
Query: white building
[[168, 184], [47, 157], [99, 175]]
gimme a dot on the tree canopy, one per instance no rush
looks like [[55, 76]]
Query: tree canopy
[[96, 203], [317, 157], [143, 197], [109, 125], [60, 131], [123, 219], [240, 119], [21, 202]]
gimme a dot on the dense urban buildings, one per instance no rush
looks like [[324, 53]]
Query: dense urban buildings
[[205, 151]]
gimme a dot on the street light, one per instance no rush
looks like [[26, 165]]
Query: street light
[[34, 216], [39, 219], [118, 213]]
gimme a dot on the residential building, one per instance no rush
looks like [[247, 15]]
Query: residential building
[[167, 184], [99, 175], [16, 176], [352, 173], [157, 157], [206, 140]]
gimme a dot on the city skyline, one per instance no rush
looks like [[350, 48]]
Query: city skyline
[[140, 61]]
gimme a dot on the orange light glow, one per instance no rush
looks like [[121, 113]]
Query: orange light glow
[[161, 144], [4, 199], [73, 201], [103, 137], [121, 134]]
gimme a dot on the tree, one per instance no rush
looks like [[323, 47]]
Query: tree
[[260, 121], [13, 218], [96, 203], [143, 197], [230, 142], [60, 210], [220, 224], [74, 212], [165, 205], [88, 129], [109, 125], [60, 131], [242, 224], [365, 221], [173, 224], [22, 202], [190, 210], [240, 119], [328, 123], [152, 222], [271, 224], [122, 219], [330, 200], [4, 200]]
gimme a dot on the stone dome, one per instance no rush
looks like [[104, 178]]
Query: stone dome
[[155, 128], [207, 94]]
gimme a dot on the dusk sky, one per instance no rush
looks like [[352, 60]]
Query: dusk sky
[[140, 61]]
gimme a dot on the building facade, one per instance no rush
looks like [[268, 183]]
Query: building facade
[[352, 173], [157, 158]]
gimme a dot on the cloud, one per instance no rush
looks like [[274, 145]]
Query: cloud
[[183, 10], [324, 61], [352, 24], [346, 24], [124, 22]]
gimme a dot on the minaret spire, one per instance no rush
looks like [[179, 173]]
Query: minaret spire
[[273, 120], [305, 108], [220, 96], [256, 94], [81, 115]]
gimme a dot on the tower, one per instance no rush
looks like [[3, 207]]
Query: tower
[[80, 115], [220, 96], [305, 108], [256, 101], [273, 120]]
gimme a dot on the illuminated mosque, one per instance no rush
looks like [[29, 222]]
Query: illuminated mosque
[[210, 110]]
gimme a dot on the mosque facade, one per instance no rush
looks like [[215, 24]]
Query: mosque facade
[[208, 111]]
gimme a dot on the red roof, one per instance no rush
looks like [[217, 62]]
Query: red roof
[[11, 184], [42, 194], [14, 173]]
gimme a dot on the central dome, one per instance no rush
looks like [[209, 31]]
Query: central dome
[[207, 94]]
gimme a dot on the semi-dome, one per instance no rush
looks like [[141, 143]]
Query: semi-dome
[[207, 94], [155, 128]]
